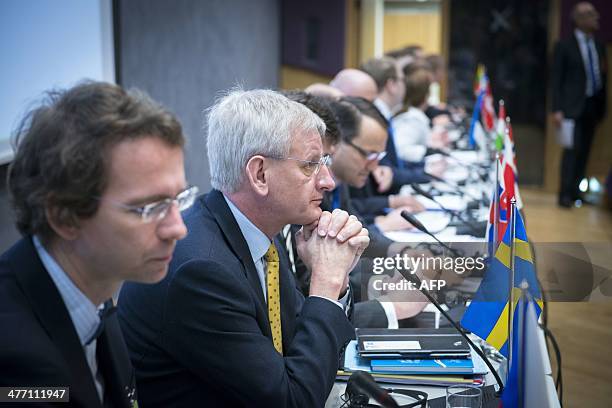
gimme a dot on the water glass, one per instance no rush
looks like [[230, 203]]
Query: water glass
[[463, 396]]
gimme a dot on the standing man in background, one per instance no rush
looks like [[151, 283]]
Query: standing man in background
[[96, 184], [579, 93]]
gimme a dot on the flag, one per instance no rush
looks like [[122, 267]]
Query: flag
[[488, 112], [484, 97], [529, 367], [510, 170], [487, 315], [500, 132], [475, 122]]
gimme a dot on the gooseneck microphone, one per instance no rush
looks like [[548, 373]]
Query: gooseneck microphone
[[364, 383], [454, 186], [418, 225], [415, 279], [467, 223]]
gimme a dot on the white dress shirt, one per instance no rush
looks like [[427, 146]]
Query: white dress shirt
[[83, 313], [258, 244]]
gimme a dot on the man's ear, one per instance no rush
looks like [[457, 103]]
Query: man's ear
[[63, 222], [256, 175]]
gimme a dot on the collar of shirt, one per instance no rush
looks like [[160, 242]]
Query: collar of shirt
[[383, 108], [257, 241], [82, 311], [581, 36]]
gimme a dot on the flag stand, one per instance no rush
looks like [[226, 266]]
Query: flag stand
[[511, 282]]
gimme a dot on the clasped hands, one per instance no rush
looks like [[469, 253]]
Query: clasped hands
[[331, 247]]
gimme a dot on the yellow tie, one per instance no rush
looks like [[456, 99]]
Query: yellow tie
[[272, 279]]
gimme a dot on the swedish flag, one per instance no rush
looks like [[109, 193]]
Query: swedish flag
[[487, 315]]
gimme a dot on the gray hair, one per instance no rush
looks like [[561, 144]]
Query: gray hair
[[243, 124]]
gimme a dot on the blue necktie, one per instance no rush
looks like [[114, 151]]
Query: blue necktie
[[336, 198], [594, 82], [104, 314], [400, 162]]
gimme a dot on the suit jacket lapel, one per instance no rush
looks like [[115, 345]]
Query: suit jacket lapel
[[49, 307], [287, 297], [219, 209]]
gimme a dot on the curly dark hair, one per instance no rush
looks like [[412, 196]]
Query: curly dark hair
[[62, 149]]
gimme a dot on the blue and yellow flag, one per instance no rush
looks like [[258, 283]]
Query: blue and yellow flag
[[487, 315]]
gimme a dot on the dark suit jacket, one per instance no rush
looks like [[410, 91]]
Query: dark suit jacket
[[409, 173], [569, 79], [367, 202], [201, 337], [39, 345]]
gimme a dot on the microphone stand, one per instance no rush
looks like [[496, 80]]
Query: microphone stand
[[425, 194], [452, 185], [412, 220]]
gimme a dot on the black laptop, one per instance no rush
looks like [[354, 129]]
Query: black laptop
[[413, 343]]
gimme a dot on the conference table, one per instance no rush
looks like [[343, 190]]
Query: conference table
[[546, 399], [439, 222]]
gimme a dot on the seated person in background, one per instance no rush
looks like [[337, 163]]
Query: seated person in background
[[354, 82], [343, 124], [394, 172], [413, 133], [319, 89], [228, 326], [383, 210], [94, 183]]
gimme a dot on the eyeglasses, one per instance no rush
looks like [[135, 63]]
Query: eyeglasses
[[157, 210], [369, 156], [310, 168]]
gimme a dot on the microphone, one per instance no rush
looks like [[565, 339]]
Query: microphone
[[412, 220], [436, 150], [364, 383], [415, 279], [476, 232], [453, 185]]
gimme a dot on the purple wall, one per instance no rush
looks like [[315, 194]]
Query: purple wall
[[604, 7], [313, 34]]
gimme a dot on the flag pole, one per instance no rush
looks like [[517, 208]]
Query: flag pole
[[520, 359], [511, 281], [495, 206]]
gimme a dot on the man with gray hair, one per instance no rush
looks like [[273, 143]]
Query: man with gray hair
[[228, 327]]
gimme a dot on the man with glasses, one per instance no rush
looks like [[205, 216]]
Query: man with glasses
[[357, 156], [97, 184], [345, 129], [228, 326], [394, 172]]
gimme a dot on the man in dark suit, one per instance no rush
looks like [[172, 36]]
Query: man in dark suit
[[228, 326], [579, 93], [93, 185]]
